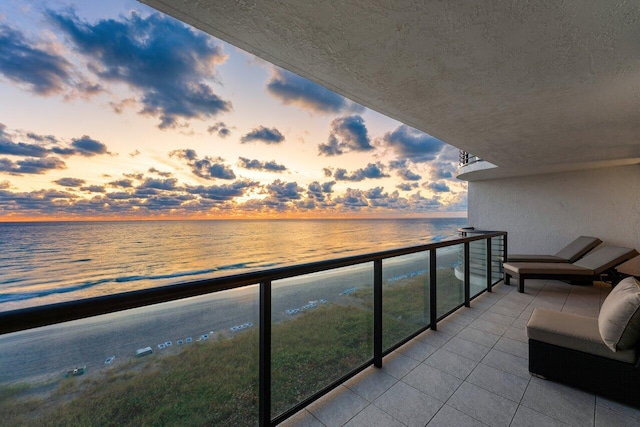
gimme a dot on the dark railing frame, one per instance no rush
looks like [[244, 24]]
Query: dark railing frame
[[489, 266], [34, 317], [465, 158]]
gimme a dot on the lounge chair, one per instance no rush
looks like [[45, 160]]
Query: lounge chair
[[570, 253], [600, 355], [583, 271]]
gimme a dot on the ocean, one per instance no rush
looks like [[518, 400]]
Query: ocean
[[48, 262]]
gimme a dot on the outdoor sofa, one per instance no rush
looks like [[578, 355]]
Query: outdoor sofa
[[600, 355], [584, 271], [570, 253]]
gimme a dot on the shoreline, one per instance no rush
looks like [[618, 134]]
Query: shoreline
[[48, 352]]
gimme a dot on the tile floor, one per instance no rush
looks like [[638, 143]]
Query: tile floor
[[473, 371]]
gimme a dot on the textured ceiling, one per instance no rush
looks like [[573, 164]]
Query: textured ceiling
[[532, 85]]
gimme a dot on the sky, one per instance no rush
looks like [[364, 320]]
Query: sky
[[112, 110]]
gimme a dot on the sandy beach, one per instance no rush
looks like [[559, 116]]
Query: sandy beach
[[47, 353]]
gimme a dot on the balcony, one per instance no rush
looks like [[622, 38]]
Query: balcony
[[249, 349], [391, 338], [473, 371], [481, 254], [471, 167]]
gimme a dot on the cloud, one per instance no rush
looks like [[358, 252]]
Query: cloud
[[318, 194], [408, 175], [134, 175], [88, 147], [122, 183], [314, 191], [284, 191], [94, 189], [281, 197], [449, 154], [409, 143], [223, 192], [208, 167], [423, 204], [393, 201], [327, 187], [169, 64], [270, 166], [186, 154], [39, 138], [375, 193], [70, 182], [159, 184], [347, 134], [221, 129], [8, 147], [407, 186], [84, 146], [160, 173], [352, 198], [443, 170], [292, 89], [263, 134], [402, 170], [120, 106], [160, 197], [439, 187], [22, 62], [371, 171], [22, 149], [134, 153], [37, 166]]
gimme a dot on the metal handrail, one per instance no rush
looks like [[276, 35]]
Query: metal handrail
[[33, 317], [465, 158]]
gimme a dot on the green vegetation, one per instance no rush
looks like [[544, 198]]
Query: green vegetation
[[11, 391], [206, 384], [216, 382], [315, 349], [405, 303], [210, 383]]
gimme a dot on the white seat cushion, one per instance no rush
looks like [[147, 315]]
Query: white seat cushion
[[619, 319]]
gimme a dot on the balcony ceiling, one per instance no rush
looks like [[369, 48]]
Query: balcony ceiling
[[535, 86]]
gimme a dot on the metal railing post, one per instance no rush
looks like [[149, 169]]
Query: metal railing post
[[467, 276], [264, 387], [433, 307], [489, 269], [377, 313], [504, 251]]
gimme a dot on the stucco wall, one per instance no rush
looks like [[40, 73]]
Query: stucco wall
[[542, 213]]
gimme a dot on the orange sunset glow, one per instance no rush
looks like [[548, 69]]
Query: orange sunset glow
[[119, 112]]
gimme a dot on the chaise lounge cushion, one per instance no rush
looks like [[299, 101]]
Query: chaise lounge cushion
[[575, 332], [619, 320], [570, 253], [605, 258], [578, 248], [546, 268], [536, 258]]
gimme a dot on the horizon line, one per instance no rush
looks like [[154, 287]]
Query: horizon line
[[230, 218]]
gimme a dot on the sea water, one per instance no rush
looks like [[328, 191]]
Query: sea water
[[47, 262]]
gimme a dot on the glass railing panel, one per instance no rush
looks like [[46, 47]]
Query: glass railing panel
[[497, 255], [449, 278], [188, 362], [322, 328], [405, 296], [477, 267]]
